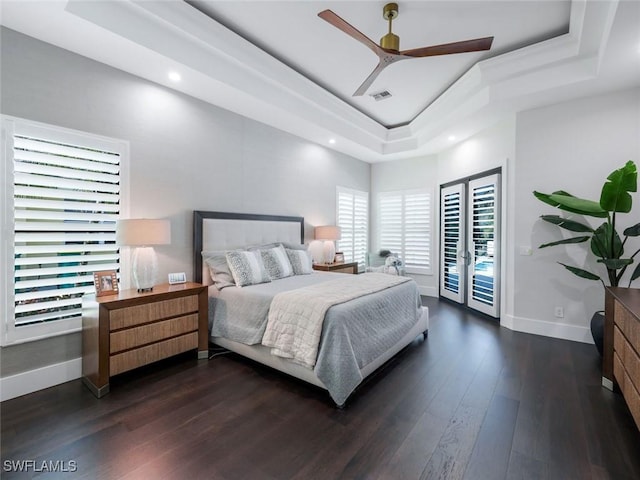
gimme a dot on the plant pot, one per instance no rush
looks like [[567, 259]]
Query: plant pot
[[597, 330]]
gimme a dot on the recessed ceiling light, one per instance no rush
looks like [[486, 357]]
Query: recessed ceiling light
[[452, 138], [174, 76], [332, 141]]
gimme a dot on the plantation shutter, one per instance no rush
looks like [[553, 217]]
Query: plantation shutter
[[66, 202], [417, 230], [404, 220], [353, 219], [390, 222]]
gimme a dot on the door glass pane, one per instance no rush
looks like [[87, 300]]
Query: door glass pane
[[451, 240], [483, 238]]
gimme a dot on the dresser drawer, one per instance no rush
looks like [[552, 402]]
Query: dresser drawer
[[628, 324], [140, 314], [131, 359], [631, 362], [632, 398], [152, 332]]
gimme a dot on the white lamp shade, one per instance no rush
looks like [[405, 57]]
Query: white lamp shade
[[143, 232], [328, 232]]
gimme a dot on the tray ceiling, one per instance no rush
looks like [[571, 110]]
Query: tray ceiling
[[278, 63]]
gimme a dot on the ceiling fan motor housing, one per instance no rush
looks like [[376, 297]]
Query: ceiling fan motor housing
[[390, 41]]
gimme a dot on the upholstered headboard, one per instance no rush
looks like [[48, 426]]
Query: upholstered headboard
[[225, 231]]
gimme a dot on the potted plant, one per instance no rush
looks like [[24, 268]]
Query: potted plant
[[605, 242]]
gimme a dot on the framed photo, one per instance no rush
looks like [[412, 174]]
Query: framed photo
[[339, 258], [106, 282]]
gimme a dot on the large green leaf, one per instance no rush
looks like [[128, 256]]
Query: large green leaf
[[544, 197], [615, 195], [567, 224], [578, 205], [635, 274], [553, 200], [565, 241], [616, 263], [632, 231], [601, 242], [580, 272]]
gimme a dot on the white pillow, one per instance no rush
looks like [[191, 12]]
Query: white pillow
[[247, 268], [218, 268], [300, 261], [277, 262]]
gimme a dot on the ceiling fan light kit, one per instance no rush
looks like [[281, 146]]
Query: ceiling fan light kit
[[389, 52]]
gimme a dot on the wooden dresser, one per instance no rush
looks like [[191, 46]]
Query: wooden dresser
[[130, 329], [621, 356]]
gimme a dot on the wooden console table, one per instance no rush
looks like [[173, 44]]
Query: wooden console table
[[621, 355]]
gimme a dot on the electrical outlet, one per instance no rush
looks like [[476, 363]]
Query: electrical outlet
[[559, 312]]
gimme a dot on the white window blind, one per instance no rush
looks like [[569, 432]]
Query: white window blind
[[353, 219], [404, 227], [66, 199]]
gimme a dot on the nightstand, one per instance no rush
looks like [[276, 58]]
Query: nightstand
[[130, 329], [351, 267]]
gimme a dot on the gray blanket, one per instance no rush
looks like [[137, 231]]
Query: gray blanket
[[353, 334]]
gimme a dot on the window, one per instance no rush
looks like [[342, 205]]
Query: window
[[353, 218], [404, 227], [63, 196]]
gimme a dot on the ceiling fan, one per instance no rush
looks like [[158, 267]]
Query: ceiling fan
[[389, 49]]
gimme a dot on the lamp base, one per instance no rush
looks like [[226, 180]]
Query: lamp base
[[145, 268], [329, 251]]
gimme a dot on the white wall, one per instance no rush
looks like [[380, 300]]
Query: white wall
[[571, 146], [185, 155]]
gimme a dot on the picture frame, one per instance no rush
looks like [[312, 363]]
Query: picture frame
[[106, 282], [339, 258]]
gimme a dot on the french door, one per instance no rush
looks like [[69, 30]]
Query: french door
[[470, 243]]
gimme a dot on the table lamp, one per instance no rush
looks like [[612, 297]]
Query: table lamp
[[328, 233], [143, 233]]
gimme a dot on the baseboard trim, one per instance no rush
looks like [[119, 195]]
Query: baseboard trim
[[39, 379], [563, 331], [427, 291]]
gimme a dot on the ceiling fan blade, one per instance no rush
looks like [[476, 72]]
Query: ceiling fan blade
[[475, 45], [370, 79], [338, 22]]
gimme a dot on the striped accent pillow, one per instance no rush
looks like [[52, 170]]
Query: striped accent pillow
[[300, 261], [247, 268], [277, 262]]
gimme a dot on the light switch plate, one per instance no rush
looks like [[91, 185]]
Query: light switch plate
[[178, 277]]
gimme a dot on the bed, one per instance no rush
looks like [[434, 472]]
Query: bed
[[356, 336]]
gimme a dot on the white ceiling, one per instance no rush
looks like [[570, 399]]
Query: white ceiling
[[544, 51], [293, 33]]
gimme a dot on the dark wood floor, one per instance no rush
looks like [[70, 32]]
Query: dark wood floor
[[473, 401]]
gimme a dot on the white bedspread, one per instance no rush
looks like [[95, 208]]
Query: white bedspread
[[295, 318]]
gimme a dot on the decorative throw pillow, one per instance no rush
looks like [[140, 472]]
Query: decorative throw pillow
[[218, 269], [300, 261], [247, 268], [277, 262]]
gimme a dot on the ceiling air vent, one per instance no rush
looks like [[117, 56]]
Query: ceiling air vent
[[381, 95]]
